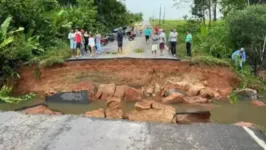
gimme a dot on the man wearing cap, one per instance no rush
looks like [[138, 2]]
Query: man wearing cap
[[239, 57]]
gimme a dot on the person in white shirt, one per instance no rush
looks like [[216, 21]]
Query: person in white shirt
[[92, 44], [71, 37], [173, 40], [155, 42], [162, 41]]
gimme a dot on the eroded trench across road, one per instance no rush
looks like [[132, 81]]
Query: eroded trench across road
[[137, 89]]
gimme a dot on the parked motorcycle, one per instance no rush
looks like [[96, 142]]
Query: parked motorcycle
[[112, 37], [131, 36], [104, 41]]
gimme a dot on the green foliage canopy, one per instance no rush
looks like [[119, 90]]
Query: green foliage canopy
[[247, 29]]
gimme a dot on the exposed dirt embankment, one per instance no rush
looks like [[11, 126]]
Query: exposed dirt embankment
[[131, 72]]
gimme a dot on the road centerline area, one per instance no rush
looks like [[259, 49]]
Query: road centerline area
[[255, 137]]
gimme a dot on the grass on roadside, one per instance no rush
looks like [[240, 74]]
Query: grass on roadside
[[209, 60], [5, 93], [52, 56], [111, 53], [138, 50], [249, 80], [51, 61]]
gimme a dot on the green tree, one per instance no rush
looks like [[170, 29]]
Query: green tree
[[25, 13], [199, 9], [232, 5], [216, 41], [7, 56], [32, 15], [248, 29], [83, 14], [111, 13], [67, 2], [252, 2], [214, 7]]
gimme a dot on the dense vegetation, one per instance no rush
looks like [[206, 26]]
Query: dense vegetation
[[35, 31], [215, 42]]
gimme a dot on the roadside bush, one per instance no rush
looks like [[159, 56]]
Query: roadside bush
[[193, 26], [249, 80], [216, 42], [138, 50], [5, 92], [61, 49], [54, 56], [51, 61], [247, 28], [209, 60], [9, 57]]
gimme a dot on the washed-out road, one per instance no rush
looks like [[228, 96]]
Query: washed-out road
[[66, 132]]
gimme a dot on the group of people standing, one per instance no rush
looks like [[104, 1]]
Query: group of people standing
[[159, 41], [81, 42]]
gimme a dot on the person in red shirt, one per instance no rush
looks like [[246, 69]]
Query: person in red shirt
[[156, 29], [78, 39]]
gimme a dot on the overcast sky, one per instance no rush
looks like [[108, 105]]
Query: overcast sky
[[152, 7]]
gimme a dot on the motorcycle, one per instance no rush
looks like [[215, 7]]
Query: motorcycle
[[104, 41], [131, 36]]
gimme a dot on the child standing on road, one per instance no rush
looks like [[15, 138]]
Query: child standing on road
[[155, 42], [147, 34], [92, 44]]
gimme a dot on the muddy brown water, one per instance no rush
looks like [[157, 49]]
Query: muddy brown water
[[221, 112]]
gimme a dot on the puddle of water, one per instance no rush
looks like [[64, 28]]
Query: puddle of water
[[220, 113], [227, 113]]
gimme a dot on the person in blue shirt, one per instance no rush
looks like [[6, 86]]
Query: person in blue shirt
[[239, 57], [147, 34]]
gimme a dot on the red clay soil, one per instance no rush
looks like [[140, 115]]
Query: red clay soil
[[132, 72]]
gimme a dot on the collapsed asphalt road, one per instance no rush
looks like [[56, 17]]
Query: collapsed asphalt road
[[40, 132]]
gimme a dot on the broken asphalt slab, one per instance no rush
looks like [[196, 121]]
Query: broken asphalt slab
[[66, 132]]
